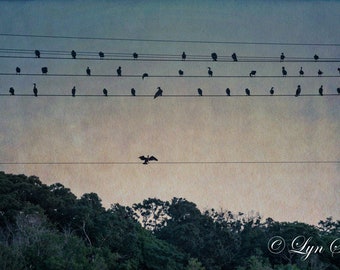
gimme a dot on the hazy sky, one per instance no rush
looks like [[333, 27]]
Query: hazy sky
[[178, 129]]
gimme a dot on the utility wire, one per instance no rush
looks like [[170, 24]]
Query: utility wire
[[168, 96]]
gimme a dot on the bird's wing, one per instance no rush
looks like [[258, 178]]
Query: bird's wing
[[142, 158], [153, 158]]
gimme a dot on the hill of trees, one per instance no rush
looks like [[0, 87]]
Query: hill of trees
[[48, 227]]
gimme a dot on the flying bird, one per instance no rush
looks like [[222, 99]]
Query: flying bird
[[18, 70], [298, 91], [284, 71], [227, 91], [37, 53], [11, 90], [271, 91], [88, 71], [105, 92], [73, 91], [247, 92], [214, 56], [135, 55], [184, 56], [147, 159], [44, 70], [252, 73], [316, 57], [210, 72], [321, 90], [145, 75], [158, 93], [320, 72], [73, 54], [200, 92], [133, 91], [282, 57], [234, 57], [180, 72], [35, 90], [101, 55], [119, 71], [301, 72]]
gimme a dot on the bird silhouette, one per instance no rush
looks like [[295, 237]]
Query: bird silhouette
[[133, 91], [247, 92], [35, 90], [316, 57], [339, 70], [73, 91], [227, 91], [158, 93], [119, 71], [145, 75], [321, 90], [298, 91], [210, 72], [184, 56], [271, 91], [147, 159], [301, 72], [214, 56], [282, 57], [338, 89], [37, 53], [252, 73], [88, 71], [320, 72], [105, 92], [44, 70], [135, 55], [200, 92], [284, 71], [101, 55], [11, 90], [18, 70], [234, 57], [180, 72], [73, 54]]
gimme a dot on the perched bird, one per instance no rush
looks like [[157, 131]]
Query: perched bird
[[147, 159], [119, 71], [271, 91], [252, 73], [73, 91], [158, 93], [135, 55], [184, 56], [101, 55], [35, 90], [133, 91], [214, 56], [338, 89], [37, 53], [339, 70], [316, 57], [44, 70], [145, 75], [105, 92], [301, 72], [73, 54], [321, 90], [88, 71], [210, 72], [234, 57], [227, 91], [11, 90], [200, 92], [320, 72], [247, 92], [180, 72], [18, 70], [298, 91], [284, 71], [282, 57]]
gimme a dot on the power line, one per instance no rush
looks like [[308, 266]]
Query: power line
[[170, 40]]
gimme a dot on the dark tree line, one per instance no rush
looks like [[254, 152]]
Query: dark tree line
[[48, 227]]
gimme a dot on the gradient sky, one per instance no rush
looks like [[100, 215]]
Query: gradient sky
[[178, 129]]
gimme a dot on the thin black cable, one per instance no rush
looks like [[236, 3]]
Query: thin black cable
[[169, 40], [168, 96]]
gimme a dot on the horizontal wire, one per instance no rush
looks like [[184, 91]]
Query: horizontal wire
[[169, 40]]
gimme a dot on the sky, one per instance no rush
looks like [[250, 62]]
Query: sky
[[228, 153]]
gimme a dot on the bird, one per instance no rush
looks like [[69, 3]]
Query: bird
[[339, 70], [316, 57], [88, 71], [282, 57], [210, 72], [184, 56], [147, 159], [234, 57], [158, 93], [200, 92], [105, 92], [18, 70], [271, 91], [298, 91], [252, 73], [44, 70], [227, 91], [247, 92], [11, 90], [101, 55], [214, 56], [37, 53], [180, 72], [119, 71], [321, 90], [301, 72], [284, 71], [73, 54], [133, 91], [73, 91], [35, 90], [338, 89], [135, 55], [145, 75], [320, 72]]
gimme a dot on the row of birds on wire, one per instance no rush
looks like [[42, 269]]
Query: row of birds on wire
[[159, 91]]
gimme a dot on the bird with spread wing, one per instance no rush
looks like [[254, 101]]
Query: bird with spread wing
[[147, 159]]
